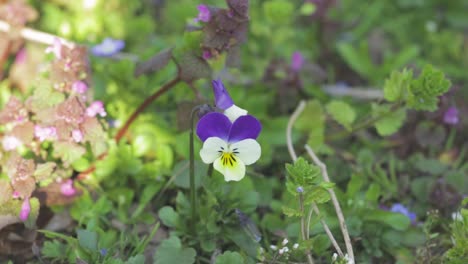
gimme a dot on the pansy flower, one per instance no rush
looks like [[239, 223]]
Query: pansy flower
[[230, 146], [224, 102]]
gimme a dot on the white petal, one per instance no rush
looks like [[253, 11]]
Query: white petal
[[234, 112], [210, 150], [248, 150], [231, 173]]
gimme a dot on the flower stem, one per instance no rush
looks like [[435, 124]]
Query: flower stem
[[193, 194], [310, 260], [166, 87]]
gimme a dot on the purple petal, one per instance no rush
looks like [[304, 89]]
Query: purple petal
[[213, 125], [451, 116], [108, 47], [243, 128], [222, 98], [297, 60]]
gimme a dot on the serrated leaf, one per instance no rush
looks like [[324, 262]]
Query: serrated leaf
[[54, 249], [87, 239], [425, 90], [291, 212], [342, 113], [171, 251], [390, 121], [302, 174], [168, 216], [68, 151], [44, 170], [317, 195], [229, 257], [154, 64], [396, 87]]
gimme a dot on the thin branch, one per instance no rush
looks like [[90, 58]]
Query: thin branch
[[35, 35], [336, 204], [327, 230], [291, 122], [363, 93], [143, 106]]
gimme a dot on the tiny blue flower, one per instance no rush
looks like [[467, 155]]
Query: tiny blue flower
[[399, 208], [103, 252], [108, 47], [300, 189]]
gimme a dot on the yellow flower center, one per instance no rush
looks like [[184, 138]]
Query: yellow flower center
[[228, 159]]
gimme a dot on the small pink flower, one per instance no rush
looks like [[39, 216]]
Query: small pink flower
[[10, 143], [56, 48], [204, 14], [79, 87], [96, 108], [297, 60], [77, 135], [25, 210], [44, 133], [67, 189], [16, 195]]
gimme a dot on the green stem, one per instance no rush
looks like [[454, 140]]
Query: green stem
[[310, 260], [193, 194]]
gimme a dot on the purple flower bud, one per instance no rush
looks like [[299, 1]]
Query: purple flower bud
[[451, 116], [25, 210], [204, 14], [20, 56], [297, 60], [96, 108], [108, 47], [207, 55], [67, 189], [222, 98], [300, 189], [79, 87], [16, 195]]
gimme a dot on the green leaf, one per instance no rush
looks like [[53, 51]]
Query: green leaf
[[229, 257], [138, 259], [278, 11], [396, 87], [44, 170], [342, 112], [425, 90], [307, 9], [168, 216], [171, 251], [291, 212], [193, 67], [301, 174], [354, 185], [395, 220], [317, 194], [87, 239], [389, 121], [183, 177], [54, 249], [68, 151], [373, 192]]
